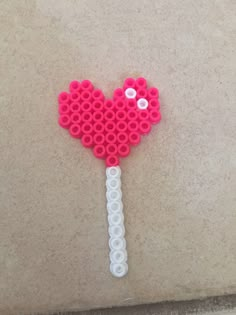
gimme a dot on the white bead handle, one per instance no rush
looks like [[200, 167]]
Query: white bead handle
[[117, 242]]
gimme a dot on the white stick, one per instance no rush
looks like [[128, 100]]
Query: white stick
[[117, 243]]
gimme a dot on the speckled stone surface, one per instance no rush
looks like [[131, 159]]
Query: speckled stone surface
[[179, 185], [222, 305]]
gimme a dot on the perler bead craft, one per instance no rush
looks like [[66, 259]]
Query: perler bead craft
[[110, 127]]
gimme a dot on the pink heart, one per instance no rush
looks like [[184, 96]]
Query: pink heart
[[109, 126]]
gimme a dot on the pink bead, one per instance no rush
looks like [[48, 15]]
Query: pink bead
[[123, 149], [121, 115], [155, 116], [110, 126], [109, 104], [86, 96], [86, 85], [141, 93], [132, 115], [109, 115], [122, 137], [74, 97], [111, 149], [99, 138], [141, 83], [75, 118], [98, 127], [98, 116], [110, 137], [144, 127], [87, 117], [87, 128], [87, 141], [74, 86], [74, 107], [153, 92], [143, 115], [120, 104], [131, 104], [64, 108], [97, 95], [119, 93], [134, 138], [64, 121], [153, 104], [121, 126], [129, 83], [75, 131], [86, 107], [99, 151], [112, 160], [63, 97], [97, 105], [133, 125]]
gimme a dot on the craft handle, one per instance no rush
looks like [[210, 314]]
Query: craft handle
[[117, 242]]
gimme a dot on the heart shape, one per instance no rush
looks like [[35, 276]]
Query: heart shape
[[109, 126]]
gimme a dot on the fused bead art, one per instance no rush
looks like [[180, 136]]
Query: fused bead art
[[110, 127]]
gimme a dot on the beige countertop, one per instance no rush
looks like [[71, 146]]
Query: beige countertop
[[179, 185]]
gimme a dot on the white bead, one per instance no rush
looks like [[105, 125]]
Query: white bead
[[119, 270], [130, 93], [114, 195], [118, 256], [116, 230], [115, 218], [113, 183], [142, 103], [117, 243], [113, 171], [114, 206]]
